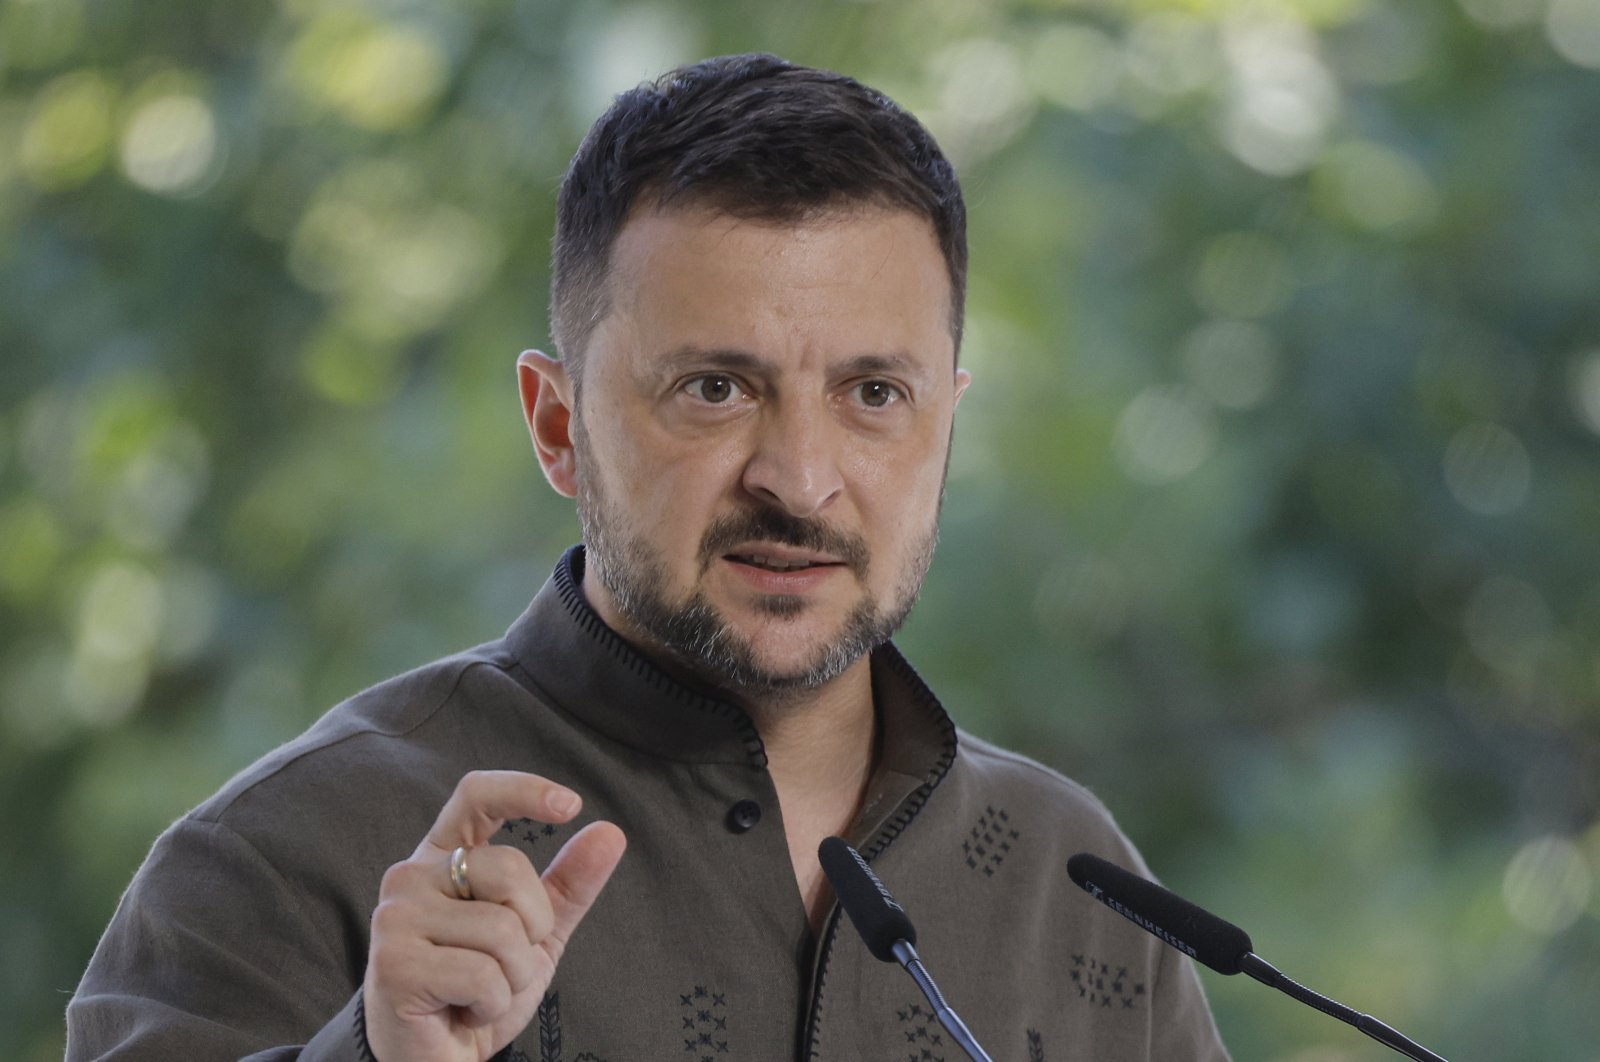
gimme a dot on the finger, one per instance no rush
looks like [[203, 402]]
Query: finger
[[576, 875], [484, 800], [471, 980], [489, 928], [500, 874]]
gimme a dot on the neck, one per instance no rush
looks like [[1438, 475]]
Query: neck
[[820, 741], [821, 749]]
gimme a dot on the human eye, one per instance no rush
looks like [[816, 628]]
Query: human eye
[[714, 388], [876, 394]]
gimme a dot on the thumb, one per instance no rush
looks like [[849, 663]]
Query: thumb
[[576, 875]]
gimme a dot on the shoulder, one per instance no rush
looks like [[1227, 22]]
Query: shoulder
[[1062, 815], [994, 766], [384, 749]]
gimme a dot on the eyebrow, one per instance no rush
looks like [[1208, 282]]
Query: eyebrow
[[716, 358], [872, 364], [733, 358]]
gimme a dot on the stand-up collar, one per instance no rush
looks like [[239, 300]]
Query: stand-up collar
[[584, 668]]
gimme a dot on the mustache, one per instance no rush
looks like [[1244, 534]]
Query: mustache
[[775, 525]]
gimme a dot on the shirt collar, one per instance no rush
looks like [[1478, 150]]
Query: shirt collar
[[587, 671]]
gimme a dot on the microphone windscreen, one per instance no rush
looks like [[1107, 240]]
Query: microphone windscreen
[[880, 921], [1194, 931]]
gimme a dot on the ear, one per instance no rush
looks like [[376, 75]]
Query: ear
[[963, 378], [547, 405]]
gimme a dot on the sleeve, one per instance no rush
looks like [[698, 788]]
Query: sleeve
[[212, 955]]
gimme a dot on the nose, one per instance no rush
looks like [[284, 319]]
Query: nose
[[793, 465]]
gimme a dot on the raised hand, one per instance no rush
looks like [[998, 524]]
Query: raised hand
[[456, 978]]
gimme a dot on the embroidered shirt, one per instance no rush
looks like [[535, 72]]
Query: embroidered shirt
[[245, 933]]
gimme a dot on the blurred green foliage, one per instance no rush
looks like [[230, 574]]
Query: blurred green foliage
[[1272, 515]]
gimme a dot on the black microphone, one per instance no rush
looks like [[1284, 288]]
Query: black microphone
[[887, 931], [1215, 942]]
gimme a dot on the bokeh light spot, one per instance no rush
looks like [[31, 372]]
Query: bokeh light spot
[[1173, 54], [124, 414], [983, 98], [1573, 27], [119, 619], [158, 488], [627, 45], [31, 542], [1233, 363], [1242, 274], [1374, 187], [1073, 66], [1281, 98], [398, 259], [444, 255], [1487, 469], [170, 146], [68, 133], [102, 693], [1164, 434], [1547, 885], [373, 74], [346, 367], [120, 613]]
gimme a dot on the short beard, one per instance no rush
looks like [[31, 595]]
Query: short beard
[[695, 634]]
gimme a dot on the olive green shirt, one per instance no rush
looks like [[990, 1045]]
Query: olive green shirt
[[245, 933]]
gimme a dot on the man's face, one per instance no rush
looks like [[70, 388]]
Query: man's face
[[761, 438]]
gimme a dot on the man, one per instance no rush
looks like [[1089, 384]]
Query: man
[[758, 290]]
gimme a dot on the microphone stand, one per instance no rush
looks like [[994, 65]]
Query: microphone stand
[[1269, 975], [907, 956]]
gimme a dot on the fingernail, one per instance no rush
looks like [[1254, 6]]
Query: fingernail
[[563, 802]]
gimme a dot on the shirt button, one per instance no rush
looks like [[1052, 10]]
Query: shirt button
[[743, 816]]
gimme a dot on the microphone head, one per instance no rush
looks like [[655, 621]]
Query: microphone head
[[1196, 932], [880, 921]]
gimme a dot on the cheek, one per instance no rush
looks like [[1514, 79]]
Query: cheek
[[668, 481], [898, 493]]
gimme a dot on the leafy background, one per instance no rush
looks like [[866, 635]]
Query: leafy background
[[1272, 515]]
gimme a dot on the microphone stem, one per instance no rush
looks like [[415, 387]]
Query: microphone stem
[[948, 1018], [1269, 975]]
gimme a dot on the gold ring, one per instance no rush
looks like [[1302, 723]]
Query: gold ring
[[458, 873]]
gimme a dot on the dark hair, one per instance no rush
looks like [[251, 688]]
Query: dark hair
[[757, 137]]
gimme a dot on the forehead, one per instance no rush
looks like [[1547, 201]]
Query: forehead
[[853, 279]]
